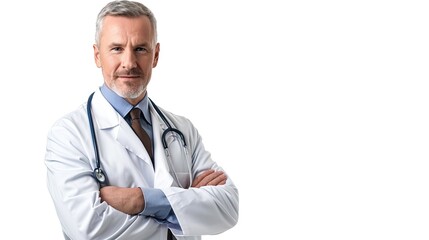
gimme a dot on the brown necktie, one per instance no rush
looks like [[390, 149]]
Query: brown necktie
[[135, 114]]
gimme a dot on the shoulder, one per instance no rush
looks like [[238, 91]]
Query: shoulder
[[73, 119], [79, 115], [179, 122], [175, 119]]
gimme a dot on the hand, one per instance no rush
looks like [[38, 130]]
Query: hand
[[209, 178], [126, 200]]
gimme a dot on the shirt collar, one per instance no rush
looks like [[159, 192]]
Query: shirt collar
[[122, 106]]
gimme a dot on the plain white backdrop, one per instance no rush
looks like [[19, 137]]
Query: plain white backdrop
[[318, 110]]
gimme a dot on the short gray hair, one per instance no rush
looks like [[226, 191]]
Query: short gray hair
[[124, 8]]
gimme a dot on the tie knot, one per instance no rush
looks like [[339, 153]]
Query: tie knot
[[135, 113]]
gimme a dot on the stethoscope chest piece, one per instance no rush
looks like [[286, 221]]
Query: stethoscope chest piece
[[99, 175]]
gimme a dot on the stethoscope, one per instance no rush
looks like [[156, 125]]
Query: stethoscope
[[99, 174]]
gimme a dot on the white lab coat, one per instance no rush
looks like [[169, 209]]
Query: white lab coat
[[70, 162]]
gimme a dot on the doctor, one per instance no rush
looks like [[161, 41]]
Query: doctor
[[172, 192]]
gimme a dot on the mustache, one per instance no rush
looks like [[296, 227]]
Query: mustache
[[132, 72]]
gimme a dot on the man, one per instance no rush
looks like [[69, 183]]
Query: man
[[154, 178]]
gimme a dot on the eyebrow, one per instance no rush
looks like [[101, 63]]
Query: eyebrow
[[147, 45], [115, 44]]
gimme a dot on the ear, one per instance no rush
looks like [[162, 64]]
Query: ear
[[97, 56], [155, 59]]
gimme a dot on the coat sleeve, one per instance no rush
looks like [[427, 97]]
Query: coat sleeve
[[207, 210], [75, 192]]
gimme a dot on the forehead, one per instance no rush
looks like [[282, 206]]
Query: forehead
[[121, 28]]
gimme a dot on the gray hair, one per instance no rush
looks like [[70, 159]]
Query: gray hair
[[124, 8]]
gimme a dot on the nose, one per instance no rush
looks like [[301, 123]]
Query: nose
[[129, 60]]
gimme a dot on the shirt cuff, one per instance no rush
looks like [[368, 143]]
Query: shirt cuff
[[156, 204]]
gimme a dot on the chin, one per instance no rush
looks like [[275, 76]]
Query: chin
[[130, 93]]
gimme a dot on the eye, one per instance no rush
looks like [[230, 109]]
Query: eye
[[141, 49], [116, 49]]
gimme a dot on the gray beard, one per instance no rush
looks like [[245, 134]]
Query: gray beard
[[130, 94]]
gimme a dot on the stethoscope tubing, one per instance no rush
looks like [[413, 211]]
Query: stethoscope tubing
[[98, 172], [169, 128]]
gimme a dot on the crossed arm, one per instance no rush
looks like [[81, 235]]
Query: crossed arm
[[131, 200]]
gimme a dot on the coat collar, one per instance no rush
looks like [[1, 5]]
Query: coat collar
[[107, 119], [110, 121]]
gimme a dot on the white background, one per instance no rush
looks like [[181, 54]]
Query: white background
[[318, 110]]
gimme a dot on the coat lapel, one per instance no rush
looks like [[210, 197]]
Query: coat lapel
[[108, 119], [130, 141]]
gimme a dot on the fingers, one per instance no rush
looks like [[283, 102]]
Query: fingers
[[217, 178], [210, 178], [200, 177]]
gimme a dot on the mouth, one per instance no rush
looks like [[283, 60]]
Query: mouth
[[128, 76]]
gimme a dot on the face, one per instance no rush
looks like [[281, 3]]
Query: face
[[126, 54]]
